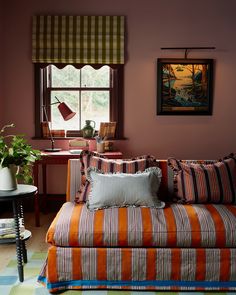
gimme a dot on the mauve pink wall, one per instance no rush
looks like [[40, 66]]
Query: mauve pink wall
[[1, 62], [150, 25]]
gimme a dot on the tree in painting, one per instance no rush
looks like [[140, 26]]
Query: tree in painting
[[185, 85]]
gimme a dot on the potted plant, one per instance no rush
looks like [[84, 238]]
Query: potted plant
[[16, 159]]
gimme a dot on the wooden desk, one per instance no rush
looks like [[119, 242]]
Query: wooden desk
[[55, 158]]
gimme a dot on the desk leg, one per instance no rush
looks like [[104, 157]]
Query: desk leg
[[44, 172], [36, 197], [18, 241]]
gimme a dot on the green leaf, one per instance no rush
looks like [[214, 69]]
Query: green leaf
[[14, 149]]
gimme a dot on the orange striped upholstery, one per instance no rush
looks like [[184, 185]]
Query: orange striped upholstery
[[180, 247], [73, 180], [140, 268], [177, 225]]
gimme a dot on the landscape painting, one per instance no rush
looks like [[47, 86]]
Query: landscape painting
[[184, 86]]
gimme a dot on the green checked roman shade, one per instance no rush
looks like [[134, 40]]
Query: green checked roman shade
[[78, 39]]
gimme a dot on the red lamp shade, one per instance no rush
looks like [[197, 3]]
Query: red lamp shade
[[65, 111]]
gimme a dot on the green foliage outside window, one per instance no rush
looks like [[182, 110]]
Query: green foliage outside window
[[90, 104]]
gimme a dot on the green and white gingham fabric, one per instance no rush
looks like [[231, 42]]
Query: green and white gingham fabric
[[78, 39]]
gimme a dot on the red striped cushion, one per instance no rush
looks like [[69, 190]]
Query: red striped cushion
[[205, 183], [85, 158], [90, 159], [112, 166]]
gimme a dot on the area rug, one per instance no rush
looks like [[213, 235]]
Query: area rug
[[10, 285]]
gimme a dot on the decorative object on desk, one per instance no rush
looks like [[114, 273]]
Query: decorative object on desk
[[75, 152], [74, 133], [16, 159], [66, 113], [107, 130], [100, 147], [100, 144], [88, 130], [78, 143], [58, 133], [55, 133], [108, 146]]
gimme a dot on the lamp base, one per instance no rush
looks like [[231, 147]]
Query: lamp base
[[53, 150]]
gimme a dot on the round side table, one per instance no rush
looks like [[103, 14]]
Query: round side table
[[16, 196]]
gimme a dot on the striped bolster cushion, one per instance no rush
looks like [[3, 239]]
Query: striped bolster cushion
[[205, 183], [113, 166]]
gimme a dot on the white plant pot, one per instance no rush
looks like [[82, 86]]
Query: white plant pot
[[8, 178]]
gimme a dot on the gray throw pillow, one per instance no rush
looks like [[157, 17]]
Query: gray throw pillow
[[123, 189]]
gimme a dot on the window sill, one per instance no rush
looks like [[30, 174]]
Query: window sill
[[70, 138], [55, 138]]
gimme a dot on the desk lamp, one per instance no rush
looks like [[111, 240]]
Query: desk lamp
[[66, 113]]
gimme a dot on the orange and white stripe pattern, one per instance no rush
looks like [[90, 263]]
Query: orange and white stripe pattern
[[140, 268], [177, 225], [180, 247]]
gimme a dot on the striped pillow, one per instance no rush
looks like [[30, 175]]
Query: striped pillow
[[205, 183], [90, 159], [85, 158], [112, 166]]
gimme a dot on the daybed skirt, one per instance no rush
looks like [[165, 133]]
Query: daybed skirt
[[139, 268]]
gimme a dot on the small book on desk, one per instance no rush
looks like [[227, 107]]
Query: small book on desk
[[75, 152]]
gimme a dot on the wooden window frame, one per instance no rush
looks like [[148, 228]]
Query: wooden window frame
[[116, 96]]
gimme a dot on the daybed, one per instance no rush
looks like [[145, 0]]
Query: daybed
[[184, 246]]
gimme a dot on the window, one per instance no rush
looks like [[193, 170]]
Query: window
[[79, 60], [93, 93]]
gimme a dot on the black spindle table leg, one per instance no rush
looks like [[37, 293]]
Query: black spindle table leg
[[24, 249], [18, 240], [16, 196]]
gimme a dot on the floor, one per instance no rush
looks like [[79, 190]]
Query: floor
[[35, 244]]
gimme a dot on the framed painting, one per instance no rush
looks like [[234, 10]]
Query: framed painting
[[184, 86]]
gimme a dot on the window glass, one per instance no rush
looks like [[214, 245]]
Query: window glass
[[88, 105], [68, 76], [95, 106], [91, 77], [71, 98]]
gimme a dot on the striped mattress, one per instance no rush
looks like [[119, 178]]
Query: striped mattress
[[139, 268], [177, 225]]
